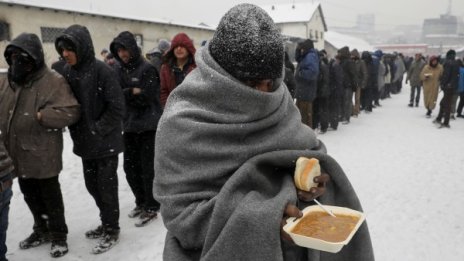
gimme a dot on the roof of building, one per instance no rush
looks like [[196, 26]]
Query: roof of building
[[41, 5], [294, 13], [339, 40]]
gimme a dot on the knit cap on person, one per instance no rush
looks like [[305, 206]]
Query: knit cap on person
[[164, 45], [248, 45]]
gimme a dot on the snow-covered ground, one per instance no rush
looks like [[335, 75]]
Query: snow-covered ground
[[408, 174]]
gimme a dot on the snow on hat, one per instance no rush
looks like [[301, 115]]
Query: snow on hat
[[164, 45], [248, 45]]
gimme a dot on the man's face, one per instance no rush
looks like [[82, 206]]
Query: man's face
[[418, 56], [124, 55], [70, 57], [181, 52]]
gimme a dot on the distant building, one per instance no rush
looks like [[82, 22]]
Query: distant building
[[335, 41], [441, 34], [49, 22], [299, 21]]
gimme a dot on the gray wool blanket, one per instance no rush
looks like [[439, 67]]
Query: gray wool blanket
[[225, 156]]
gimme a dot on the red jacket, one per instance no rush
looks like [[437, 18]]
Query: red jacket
[[167, 77]]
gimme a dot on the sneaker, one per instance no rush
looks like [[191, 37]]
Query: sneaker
[[34, 240], [444, 126], [59, 248], [146, 217], [106, 243], [95, 233], [135, 212]]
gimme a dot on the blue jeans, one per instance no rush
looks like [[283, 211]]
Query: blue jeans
[[5, 198]]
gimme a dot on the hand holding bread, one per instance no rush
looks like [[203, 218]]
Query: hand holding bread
[[308, 179]]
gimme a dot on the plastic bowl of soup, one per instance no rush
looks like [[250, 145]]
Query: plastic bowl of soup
[[318, 230]]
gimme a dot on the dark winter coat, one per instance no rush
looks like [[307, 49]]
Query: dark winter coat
[[414, 72], [306, 75], [35, 145], [289, 80], [142, 110], [371, 70], [98, 133], [323, 83], [361, 73], [349, 70], [167, 75], [336, 78], [450, 78], [6, 164]]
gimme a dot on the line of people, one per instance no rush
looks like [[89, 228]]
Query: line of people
[[109, 108], [329, 92]]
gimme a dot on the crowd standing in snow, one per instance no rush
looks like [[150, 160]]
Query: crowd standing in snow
[[240, 90]]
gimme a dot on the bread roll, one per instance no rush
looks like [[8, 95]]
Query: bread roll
[[305, 171]]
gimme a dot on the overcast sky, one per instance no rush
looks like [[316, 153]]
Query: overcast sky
[[389, 13]]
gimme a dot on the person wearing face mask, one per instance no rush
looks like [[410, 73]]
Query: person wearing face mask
[[38, 104], [140, 83], [177, 63], [226, 148]]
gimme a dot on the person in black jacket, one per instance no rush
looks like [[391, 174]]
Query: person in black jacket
[[289, 78], [97, 136], [321, 103], [336, 92], [449, 85], [140, 83], [367, 94], [349, 83]]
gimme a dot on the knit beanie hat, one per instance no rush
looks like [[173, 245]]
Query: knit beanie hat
[[248, 45], [164, 45]]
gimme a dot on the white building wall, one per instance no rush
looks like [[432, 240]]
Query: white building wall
[[102, 29], [314, 30]]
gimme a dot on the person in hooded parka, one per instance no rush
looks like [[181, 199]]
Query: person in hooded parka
[[306, 76], [178, 62], [97, 136], [140, 83], [38, 104]]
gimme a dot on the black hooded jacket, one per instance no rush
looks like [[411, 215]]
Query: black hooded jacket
[[98, 133], [450, 78], [349, 70], [372, 71], [143, 110]]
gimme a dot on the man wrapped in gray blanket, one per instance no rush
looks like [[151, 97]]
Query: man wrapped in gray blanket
[[226, 149]]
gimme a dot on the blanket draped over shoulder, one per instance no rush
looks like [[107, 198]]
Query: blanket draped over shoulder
[[225, 156]]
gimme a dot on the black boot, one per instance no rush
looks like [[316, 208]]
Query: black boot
[[59, 248]]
